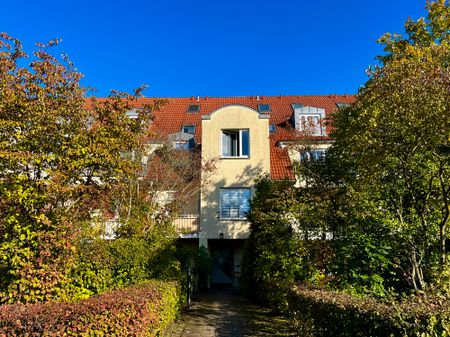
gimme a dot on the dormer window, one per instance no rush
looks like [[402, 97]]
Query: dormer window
[[310, 125], [188, 129], [183, 140], [182, 145], [309, 120], [264, 108], [193, 108]]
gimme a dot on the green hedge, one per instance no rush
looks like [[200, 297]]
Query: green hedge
[[329, 313], [140, 310]]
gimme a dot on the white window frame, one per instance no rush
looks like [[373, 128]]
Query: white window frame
[[239, 216], [239, 149], [318, 127]]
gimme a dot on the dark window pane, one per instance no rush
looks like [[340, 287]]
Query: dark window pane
[[245, 143], [189, 129], [264, 107], [230, 143], [194, 108]]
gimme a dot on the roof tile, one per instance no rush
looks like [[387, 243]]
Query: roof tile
[[173, 115]]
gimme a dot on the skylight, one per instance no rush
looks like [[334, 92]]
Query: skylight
[[193, 108], [342, 104], [297, 106], [264, 108]]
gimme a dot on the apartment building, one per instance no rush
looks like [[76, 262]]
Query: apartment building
[[247, 137]]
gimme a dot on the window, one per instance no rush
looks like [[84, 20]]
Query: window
[[235, 143], [297, 106], [193, 108], [342, 104], [311, 124], [272, 128], [181, 145], [312, 155], [188, 129], [308, 119], [234, 203], [132, 114], [264, 108]]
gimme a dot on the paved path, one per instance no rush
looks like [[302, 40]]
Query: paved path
[[226, 313]]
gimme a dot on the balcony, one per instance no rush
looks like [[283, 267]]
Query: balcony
[[187, 225]]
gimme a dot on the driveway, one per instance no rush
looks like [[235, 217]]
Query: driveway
[[225, 313]]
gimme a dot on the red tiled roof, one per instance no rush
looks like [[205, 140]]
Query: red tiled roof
[[173, 115], [280, 163]]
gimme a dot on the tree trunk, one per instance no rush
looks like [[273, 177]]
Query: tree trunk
[[442, 249]]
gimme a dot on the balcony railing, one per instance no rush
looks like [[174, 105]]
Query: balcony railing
[[187, 225]]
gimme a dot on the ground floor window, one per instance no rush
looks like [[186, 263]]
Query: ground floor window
[[234, 203]]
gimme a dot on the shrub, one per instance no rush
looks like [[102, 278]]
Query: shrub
[[92, 273], [140, 310], [203, 265], [274, 255], [328, 313]]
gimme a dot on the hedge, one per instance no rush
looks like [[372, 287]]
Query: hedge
[[140, 310], [329, 313]]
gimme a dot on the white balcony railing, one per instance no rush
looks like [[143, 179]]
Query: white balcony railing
[[187, 225]]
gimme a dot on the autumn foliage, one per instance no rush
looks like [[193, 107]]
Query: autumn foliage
[[142, 310], [61, 159]]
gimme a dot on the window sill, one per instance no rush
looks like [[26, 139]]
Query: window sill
[[235, 157]]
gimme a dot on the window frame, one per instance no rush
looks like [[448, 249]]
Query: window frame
[[296, 106], [341, 105], [264, 110], [193, 111], [182, 146], [239, 147], [188, 125], [238, 218], [319, 128], [310, 154]]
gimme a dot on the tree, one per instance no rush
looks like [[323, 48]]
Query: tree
[[393, 142], [62, 157]]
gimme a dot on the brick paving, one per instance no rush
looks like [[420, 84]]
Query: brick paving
[[226, 313]]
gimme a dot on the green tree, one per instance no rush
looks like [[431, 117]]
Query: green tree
[[275, 254], [393, 143]]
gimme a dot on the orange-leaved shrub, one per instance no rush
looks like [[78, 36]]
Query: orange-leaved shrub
[[140, 310]]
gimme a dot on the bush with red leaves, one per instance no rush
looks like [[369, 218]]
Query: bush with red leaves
[[140, 310]]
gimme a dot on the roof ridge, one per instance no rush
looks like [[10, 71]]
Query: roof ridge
[[239, 97]]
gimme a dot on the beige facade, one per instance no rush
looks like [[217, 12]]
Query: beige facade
[[231, 171], [244, 137]]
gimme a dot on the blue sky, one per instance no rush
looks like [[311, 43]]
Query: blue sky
[[214, 48]]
